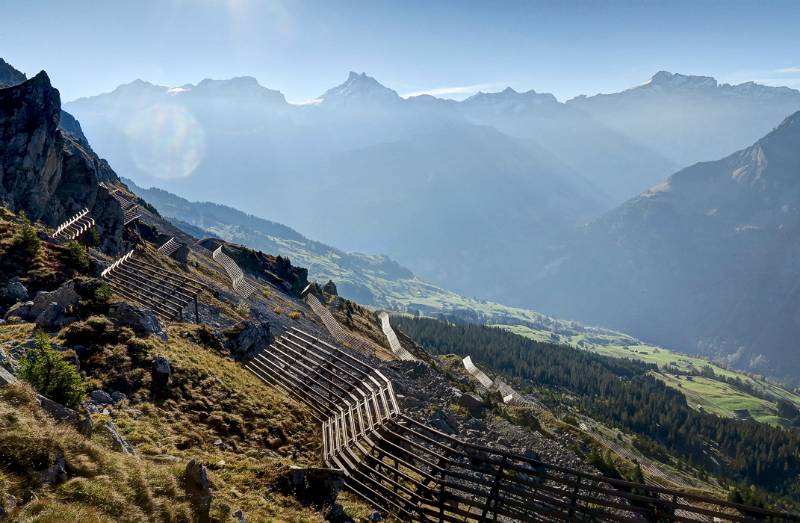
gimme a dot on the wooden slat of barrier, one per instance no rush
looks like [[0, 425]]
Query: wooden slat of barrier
[[520, 488]]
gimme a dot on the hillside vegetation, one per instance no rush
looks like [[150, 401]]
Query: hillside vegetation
[[622, 393]]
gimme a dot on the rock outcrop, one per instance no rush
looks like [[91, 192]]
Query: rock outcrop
[[276, 269], [142, 321], [46, 172], [330, 288], [161, 372], [199, 489], [247, 338]]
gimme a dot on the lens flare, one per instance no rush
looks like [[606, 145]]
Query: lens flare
[[166, 141]]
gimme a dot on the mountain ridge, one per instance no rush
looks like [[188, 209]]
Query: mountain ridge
[[704, 260], [373, 176]]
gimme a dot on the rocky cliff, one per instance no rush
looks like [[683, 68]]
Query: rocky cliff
[[46, 172]]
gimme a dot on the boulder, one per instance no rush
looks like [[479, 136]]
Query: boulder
[[55, 473], [239, 515], [316, 485], [101, 396], [161, 371], [13, 291], [57, 411], [118, 396], [472, 402], [245, 339], [65, 296], [199, 489], [444, 422], [19, 311], [142, 321], [330, 288], [52, 316]]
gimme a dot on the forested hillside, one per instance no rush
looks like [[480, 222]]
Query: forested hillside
[[621, 393]]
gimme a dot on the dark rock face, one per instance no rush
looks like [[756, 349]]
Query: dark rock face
[[47, 173], [52, 317], [330, 288], [72, 127], [143, 321], [247, 338], [13, 291]]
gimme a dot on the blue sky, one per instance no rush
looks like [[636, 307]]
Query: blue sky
[[451, 48]]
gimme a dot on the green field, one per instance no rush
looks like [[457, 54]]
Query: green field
[[702, 392]]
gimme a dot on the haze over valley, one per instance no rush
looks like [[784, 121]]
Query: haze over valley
[[485, 196]]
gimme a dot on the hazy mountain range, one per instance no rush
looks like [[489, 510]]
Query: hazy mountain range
[[472, 195], [488, 196], [708, 261]]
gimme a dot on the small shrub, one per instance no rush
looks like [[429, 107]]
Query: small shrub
[[77, 258], [277, 310], [27, 239], [50, 374], [265, 292], [295, 315]]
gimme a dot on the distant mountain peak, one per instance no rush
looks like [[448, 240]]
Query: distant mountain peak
[[360, 87], [236, 86], [677, 80], [138, 85], [9, 75], [511, 96]]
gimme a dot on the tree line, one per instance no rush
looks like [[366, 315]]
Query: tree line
[[622, 393]]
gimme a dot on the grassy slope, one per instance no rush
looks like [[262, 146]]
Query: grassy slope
[[712, 395], [217, 397], [216, 412]]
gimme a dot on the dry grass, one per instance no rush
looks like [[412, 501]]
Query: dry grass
[[102, 485], [215, 411]]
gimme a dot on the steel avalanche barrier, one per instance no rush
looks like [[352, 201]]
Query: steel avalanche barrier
[[418, 473], [143, 281]]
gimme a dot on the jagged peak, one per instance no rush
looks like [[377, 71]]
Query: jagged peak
[[138, 85], [677, 80], [360, 86], [9, 75], [510, 95], [238, 85]]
